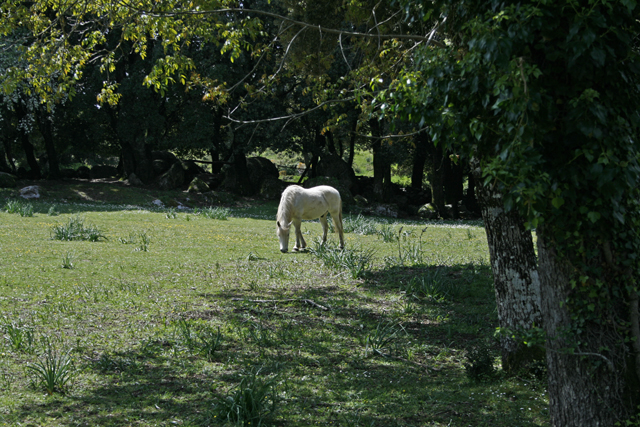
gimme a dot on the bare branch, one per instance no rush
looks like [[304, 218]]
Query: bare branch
[[428, 38]]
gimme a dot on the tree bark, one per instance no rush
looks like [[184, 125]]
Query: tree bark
[[419, 159], [515, 275], [46, 129], [381, 164], [584, 388], [435, 173]]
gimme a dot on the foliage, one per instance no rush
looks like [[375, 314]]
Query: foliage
[[214, 213], [480, 363]]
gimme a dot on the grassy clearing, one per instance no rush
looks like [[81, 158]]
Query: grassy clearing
[[186, 320]]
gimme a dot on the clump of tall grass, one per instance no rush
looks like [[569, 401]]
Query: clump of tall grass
[[359, 225], [75, 229], [215, 213], [53, 371], [356, 261], [19, 207], [253, 402]]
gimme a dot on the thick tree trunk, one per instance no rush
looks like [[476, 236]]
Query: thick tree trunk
[[584, 387], [515, 275]]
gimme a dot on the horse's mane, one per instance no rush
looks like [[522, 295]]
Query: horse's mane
[[286, 202]]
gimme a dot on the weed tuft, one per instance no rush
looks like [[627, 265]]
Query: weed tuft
[[216, 213], [53, 371], [75, 229], [356, 261], [19, 207], [253, 402]]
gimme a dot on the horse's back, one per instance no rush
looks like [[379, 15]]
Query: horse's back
[[314, 202]]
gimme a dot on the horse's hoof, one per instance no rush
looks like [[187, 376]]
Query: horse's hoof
[[284, 251], [295, 249]]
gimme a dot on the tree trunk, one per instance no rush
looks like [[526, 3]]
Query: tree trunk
[[515, 275], [381, 164], [31, 157], [435, 173], [46, 129], [584, 388], [419, 160], [352, 142], [453, 185]]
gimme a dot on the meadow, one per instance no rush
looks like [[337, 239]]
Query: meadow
[[138, 315]]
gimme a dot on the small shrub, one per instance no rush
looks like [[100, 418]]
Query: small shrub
[[479, 365], [252, 403], [75, 229]]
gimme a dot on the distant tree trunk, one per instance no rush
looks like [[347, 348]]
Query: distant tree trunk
[[585, 386], [419, 159], [381, 164], [30, 155], [330, 142], [8, 152], [470, 199], [4, 166], [453, 185], [515, 275], [46, 129], [352, 142], [435, 172]]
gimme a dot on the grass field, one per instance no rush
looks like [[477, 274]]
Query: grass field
[[171, 317]]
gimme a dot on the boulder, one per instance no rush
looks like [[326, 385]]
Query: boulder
[[198, 185], [428, 211], [30, 192], [271, 189], [134, 180], [173, 178], [386, 210], [83, 172], [260, 169], [103, 171], [7, 180], [191, 169], [334, 166]]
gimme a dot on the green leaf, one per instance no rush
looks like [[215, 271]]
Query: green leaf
[[557, 202], [593, 216]]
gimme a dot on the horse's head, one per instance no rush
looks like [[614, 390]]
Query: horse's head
[[283, 236]]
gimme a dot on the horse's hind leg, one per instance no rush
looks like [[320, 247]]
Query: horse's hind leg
[[337, 222], [325, 227]]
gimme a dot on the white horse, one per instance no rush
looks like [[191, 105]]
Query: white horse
[[298, 203]]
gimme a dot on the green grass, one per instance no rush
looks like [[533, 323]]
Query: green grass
[[185, 320]]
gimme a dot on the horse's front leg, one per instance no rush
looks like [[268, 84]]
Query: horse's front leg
[[300, 243]]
